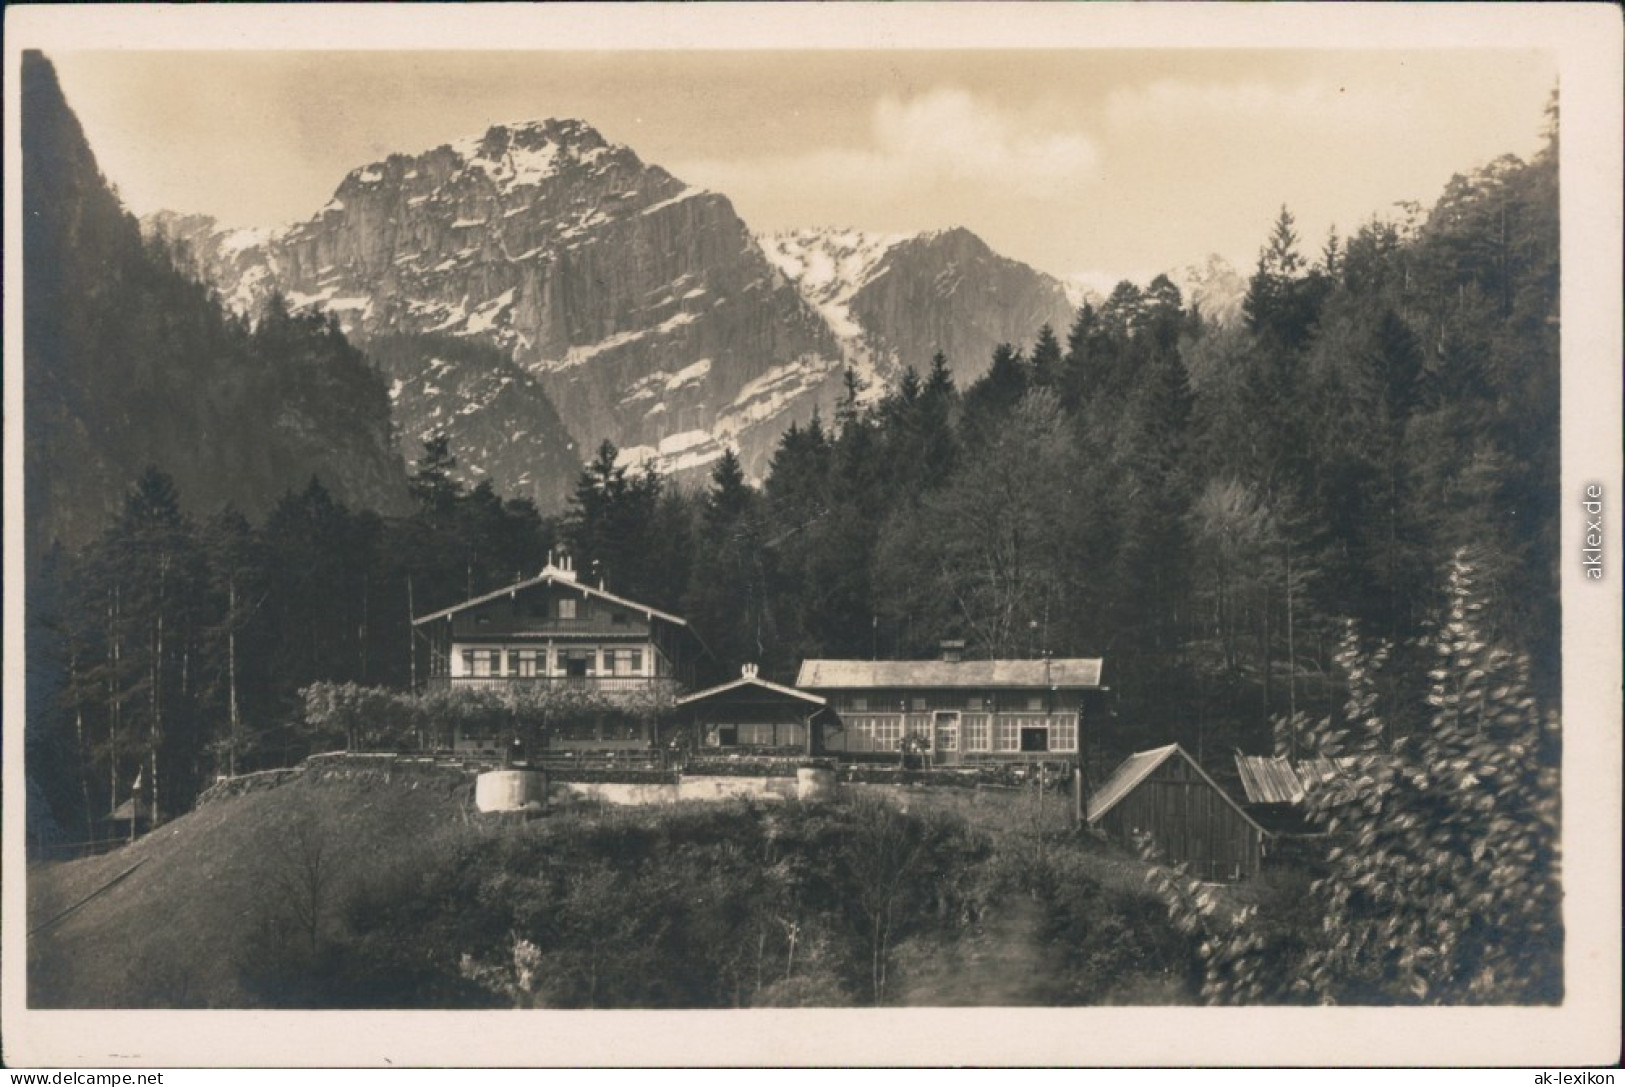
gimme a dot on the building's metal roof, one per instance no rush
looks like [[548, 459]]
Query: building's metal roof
[[1268, 779], [130, 809], [760, 685], [1070, 673], [1130, 773], [1137, 767], [556, 577]]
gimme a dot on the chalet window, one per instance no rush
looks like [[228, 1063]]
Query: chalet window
[[1063, 733], [975, 703], [623, 662], [567, 608], [1035, 703], [859, 704], [1035, 739], [527, 662], [1007, 736], [888, 732], [974, 729], [756, 735], [918, 705], [482, 662]]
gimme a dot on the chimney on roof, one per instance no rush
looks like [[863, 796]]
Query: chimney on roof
[[953, 651], [564, 568]]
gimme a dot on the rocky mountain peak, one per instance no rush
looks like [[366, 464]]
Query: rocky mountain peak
[[641, 307]]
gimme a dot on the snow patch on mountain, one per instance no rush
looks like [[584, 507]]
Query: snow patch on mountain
[[527, 154], [686, 194], [1214, 284], [661, 383], [775, 392], [485, 318], [829, 266], [585, 353]]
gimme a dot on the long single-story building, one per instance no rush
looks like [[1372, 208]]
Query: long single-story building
[[962, 711]]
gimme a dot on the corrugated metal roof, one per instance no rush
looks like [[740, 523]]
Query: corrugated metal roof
[[1137, 767], [558, 579], [751, 681], [1133, 770], [1274, 779], [827, 675]]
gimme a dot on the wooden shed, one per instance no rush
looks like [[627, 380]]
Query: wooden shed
[[1192, 821]]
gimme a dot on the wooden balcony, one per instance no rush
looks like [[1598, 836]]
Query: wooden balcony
[[599, 684], [503, 626]]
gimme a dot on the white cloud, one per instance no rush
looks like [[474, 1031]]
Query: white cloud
[[943, 137], [950, 132]]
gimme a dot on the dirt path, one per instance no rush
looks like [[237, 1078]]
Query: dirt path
[[1002, 963]]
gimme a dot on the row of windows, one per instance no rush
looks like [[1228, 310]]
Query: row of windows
[[566, 662], [1013, 703], [969, 732], [779, 735]]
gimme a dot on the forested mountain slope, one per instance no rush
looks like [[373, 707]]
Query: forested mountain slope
[[130, 363]]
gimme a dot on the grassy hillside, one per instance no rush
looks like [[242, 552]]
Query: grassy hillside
[[175, 930], [344, 888]]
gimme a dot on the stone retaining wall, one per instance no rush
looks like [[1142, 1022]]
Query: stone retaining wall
[[690, 787], [341, 766], [412, 771]]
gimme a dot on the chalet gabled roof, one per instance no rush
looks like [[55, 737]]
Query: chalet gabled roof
[[756, 682], [1137, 767], [558, 577], [1071, 673], [1268, 779]]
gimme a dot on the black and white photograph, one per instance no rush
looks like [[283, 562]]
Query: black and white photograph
[[913, 535]]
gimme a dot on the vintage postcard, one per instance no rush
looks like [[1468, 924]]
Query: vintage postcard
[[842, 534]]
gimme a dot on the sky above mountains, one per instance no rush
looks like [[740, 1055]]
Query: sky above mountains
[[1091, 164]]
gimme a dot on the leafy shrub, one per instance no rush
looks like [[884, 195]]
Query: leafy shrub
[[1441, 882], [1104, 936], [683, 906]]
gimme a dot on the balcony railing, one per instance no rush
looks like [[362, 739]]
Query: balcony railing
[[551, 626], [603, 684]]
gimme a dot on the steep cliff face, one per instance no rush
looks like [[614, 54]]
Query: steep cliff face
[[642, 306], [638, 308], [127, 363], [499, 423], [895, 300]]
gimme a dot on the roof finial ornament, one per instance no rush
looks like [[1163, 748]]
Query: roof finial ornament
[[748, 671]]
